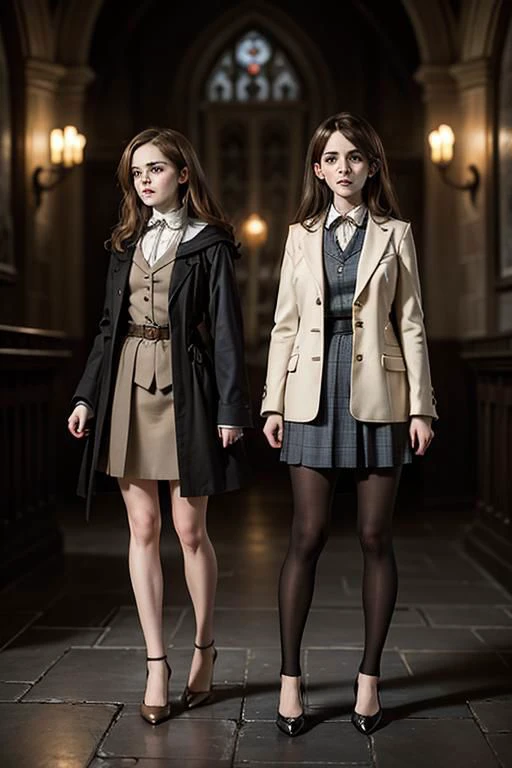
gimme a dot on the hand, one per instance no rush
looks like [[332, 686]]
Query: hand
[[230, 435], [273, 430], [78, 420], [421, 434]]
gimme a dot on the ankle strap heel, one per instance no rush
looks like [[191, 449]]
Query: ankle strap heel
[[204, 647]]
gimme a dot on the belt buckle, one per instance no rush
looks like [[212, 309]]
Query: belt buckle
[[151, 332]]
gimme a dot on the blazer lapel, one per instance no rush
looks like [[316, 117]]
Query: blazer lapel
[[312, 248], [375, 242]]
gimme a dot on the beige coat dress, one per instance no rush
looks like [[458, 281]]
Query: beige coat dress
[[143, 436]]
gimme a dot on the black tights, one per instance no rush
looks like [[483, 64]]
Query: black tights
[[313, 491]]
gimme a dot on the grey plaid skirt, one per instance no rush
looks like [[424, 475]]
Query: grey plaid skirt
[[335, 438]]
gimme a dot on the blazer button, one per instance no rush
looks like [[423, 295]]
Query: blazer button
[[319, 301], [119, 291], [357, 304], [359, 324], [359, 358]]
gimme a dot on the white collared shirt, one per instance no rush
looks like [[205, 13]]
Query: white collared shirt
[[346, 228]]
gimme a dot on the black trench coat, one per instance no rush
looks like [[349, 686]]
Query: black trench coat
[[209, 374]]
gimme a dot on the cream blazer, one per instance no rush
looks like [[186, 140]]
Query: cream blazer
[[390, 376]]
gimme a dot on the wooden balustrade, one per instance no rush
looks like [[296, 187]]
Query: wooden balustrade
[[31, 361], [489, 539]]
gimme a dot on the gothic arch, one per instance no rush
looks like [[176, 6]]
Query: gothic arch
[[75, 30], [202, 56], [434, 28], [35, 29], [482, 28]]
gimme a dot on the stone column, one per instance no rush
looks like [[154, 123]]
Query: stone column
[[474, 146], [55, 238], [438, 254], [42, 82]]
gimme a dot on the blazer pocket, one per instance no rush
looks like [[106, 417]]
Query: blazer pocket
[[392, 363], [292, 363]]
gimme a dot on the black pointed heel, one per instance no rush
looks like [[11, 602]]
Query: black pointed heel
[[366, 724], [292, 726], [157, 715], [193, 699]]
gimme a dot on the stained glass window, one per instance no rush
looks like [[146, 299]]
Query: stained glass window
[[253, 70]]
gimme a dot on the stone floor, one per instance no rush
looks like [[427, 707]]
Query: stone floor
[[72, 661]]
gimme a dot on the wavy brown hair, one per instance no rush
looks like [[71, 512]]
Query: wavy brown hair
[[194, 193], [378, 192]]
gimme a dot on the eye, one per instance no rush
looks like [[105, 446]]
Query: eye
[[135, 174], [330, 160], [355, 157], [157, 169]]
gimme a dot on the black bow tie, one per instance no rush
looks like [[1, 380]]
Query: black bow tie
[[156, 224]]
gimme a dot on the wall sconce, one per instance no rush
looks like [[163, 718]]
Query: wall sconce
[[441, 153], [66, 151], [254, 230]]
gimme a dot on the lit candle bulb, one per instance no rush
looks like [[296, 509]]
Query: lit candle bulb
[[70, 134], [78, 148], [434, 139], [56, 146]]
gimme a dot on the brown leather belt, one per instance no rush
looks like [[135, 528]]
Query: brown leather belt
[[150, 332]]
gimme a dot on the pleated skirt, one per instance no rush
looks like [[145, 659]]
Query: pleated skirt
[[335, 438]]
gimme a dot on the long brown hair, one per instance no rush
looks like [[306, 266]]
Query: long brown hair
[[194, 193], [378, 192]]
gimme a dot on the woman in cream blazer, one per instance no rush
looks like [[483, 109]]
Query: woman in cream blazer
[[347, 386]]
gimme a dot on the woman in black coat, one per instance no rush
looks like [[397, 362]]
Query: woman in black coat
[[164, 393]]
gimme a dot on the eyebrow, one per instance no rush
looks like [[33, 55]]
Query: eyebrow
[[336, 153], [151, 164]]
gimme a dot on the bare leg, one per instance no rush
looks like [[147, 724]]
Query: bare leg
[[200, 563], [376, 492], [142, 505]]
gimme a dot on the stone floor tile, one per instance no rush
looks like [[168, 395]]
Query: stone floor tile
[[315, 764], [428, 743], [499, 639], [12, 691], [501, 744], [167, 762], [35, 650], [446, 594], [186, 739], [79, 610], [237, 628], [331, 675], [434, 638], [118, 675], [467, 616], [494, 716], [336, 743], [225, 704], [50, 735], [13, 622], [124, 628], [344, 627]]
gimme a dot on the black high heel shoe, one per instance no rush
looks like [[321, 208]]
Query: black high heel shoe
[[193, 699], [292, 726], [156, 715], [366, 724]]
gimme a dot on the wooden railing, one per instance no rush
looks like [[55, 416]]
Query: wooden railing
[[31, 363], [490, 537]]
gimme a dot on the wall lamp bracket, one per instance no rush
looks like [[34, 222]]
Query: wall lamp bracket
[[66, 152], [441, 142], [55, 174], [470, 186]]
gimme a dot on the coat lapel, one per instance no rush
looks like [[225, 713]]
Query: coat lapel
[[312, 248], [375, 242]]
